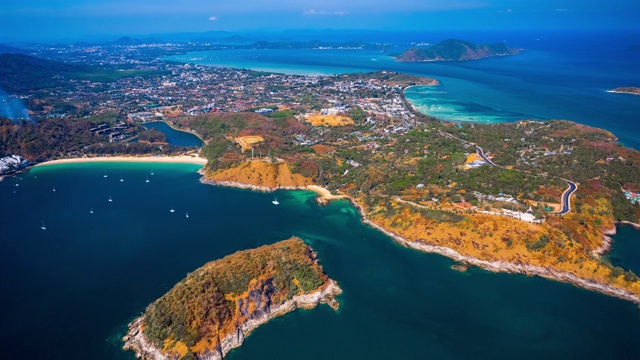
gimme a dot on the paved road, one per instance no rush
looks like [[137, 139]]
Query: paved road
[[481, 154], [566, 198]]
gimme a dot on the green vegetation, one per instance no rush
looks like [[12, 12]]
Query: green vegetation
[[453, 49], [152, 136], [214, 298]]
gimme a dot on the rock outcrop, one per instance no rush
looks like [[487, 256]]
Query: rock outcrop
[[219, 321]]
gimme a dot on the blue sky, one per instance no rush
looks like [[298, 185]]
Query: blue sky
[[77, 19]]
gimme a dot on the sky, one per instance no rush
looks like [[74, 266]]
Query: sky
[[83, 19]]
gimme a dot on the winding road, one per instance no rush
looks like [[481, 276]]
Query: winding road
[[566, 198], [481, 154]]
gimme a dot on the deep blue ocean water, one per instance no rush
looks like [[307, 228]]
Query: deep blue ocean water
[[69, 291], [558, 76], [175, 137]]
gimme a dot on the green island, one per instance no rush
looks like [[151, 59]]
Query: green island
[[456, 50], [216, 306]]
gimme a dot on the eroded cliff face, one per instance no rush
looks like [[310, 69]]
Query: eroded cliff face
[[223, 320]]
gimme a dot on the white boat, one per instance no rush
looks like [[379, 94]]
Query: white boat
[[43, 227], [121, 179], [110, 199], [152, 172], [275, 201], [172, 210], [105, 175], [91, 211], [187, 214], [147, 179], [54, 189]]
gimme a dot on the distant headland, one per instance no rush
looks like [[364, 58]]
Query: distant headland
[[215, 307], [626, 90], [456, 50]]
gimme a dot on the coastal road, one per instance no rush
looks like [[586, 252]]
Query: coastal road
[[481, 154], [566, 198]]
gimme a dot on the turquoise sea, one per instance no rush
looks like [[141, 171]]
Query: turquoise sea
[[557, 76], [69, 291]]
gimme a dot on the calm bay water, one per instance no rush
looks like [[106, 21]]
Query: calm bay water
[[558, 76], [69, 291], [175, 137], [625, 250]]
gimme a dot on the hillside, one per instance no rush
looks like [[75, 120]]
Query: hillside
[[215, 307], [456, 50], [260, 174]]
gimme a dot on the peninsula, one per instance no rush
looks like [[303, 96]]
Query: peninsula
[[456, 50], [626, 90], [216, 306]]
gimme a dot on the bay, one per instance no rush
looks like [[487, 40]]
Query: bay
[[69, 291], [558, 76]]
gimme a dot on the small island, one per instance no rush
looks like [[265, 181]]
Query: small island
[[456, 50], [216, 306], [626, 90]]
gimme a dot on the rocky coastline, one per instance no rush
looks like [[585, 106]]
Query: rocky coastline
[[240, 185], [503, 266], [136, 340], [493, 266]]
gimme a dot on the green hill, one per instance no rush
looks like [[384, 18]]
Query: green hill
[[456, 50], [216, 306]]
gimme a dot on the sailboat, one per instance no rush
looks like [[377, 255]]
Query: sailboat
[[121, 179], [43, 227], [91, 211], [54, 189], [275, 200], [187, 214], [152, 172], [172, 210], [110, 199], [147, 179]]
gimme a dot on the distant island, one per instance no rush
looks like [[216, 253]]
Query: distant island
[[456, 50], [215, 307], [626, 90]]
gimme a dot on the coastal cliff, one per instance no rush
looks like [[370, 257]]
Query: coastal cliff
[[259, 175], [210, 312]]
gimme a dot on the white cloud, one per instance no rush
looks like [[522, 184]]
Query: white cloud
[[213, 18], [312, 12]]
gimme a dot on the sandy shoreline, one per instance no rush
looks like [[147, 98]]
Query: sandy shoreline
[[185, 159], [324, 193]]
